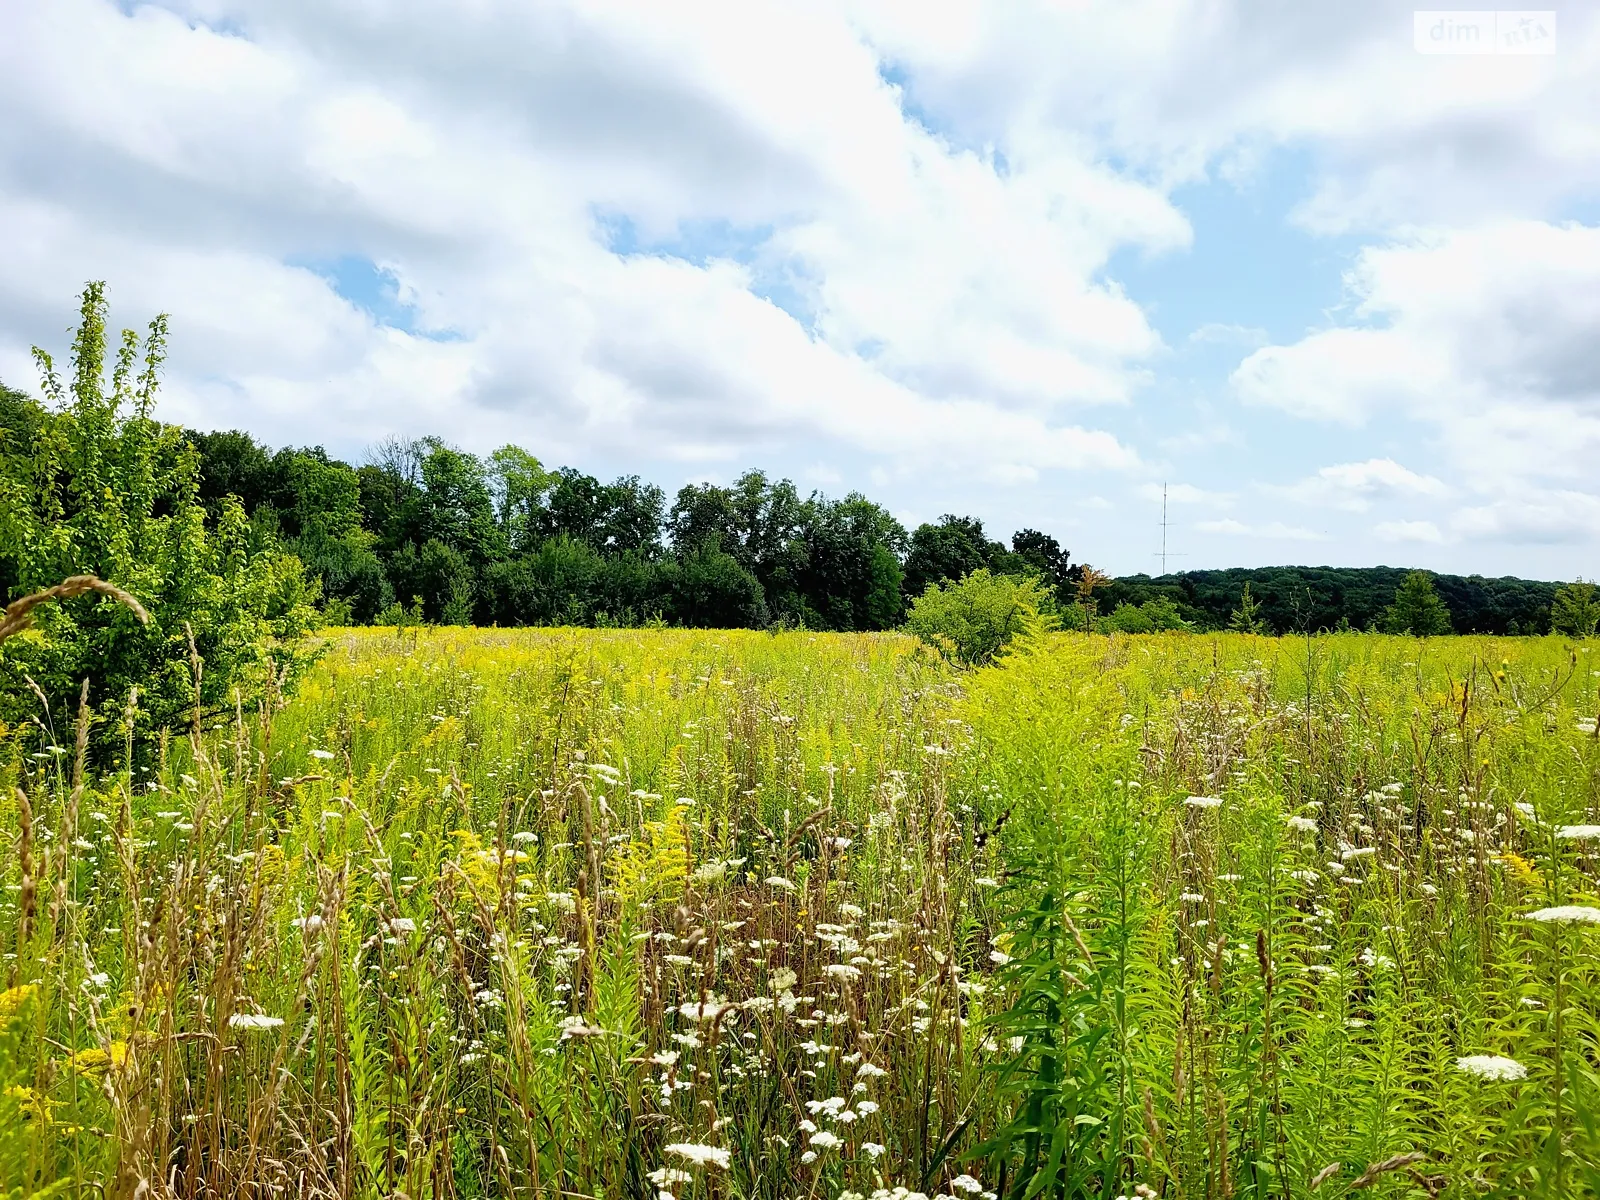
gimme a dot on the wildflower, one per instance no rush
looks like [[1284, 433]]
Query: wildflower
[[324, 755], [664, 1177], [1566, 914], [1303, 824], [841, 971], [700, 1156], [870, 1071], [866, 1107], [710, 872], [823, 1140], [253, 1021], [873, 1149], [1492, 1067], [986, 881], [710, 1010], [1579, 833], [12, 1000], [779, 882], [1192, 898], [1520, 867], [1204, 802], [402, 925], [1356, 852], [966, 1183], [783, 979], [96, 1061]]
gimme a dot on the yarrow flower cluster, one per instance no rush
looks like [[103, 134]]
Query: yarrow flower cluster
[[1493, 1067], [699, 1155], [253, 1021], [1204, 802], [1579, 833], [1567, 914]]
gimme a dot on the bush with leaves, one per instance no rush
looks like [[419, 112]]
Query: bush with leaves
[[1575, 611], [92, 483], [973, 621], [1157, 615]]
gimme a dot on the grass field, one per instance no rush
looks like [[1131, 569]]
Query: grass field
[[665, 914]]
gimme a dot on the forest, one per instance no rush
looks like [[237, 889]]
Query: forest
[[427, 532]]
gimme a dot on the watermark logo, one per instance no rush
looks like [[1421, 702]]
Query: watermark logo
[[1476, 31]]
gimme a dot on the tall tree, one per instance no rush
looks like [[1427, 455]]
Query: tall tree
[[948, 551], [1575, 610], [1417, 608]]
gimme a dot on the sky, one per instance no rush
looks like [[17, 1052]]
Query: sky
[[1032, 261]]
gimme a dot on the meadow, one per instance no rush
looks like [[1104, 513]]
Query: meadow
[[674, 915]]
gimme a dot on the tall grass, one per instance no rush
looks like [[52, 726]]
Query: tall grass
[[625, 914]]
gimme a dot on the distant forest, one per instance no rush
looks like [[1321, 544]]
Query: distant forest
[[423, 531], [1293, 599]]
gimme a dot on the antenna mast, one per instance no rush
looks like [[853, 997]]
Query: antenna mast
[[1163, 528]]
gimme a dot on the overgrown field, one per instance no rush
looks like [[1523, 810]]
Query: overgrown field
[[671, 915]]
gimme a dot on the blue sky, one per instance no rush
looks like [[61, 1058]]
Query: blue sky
[[1030, 262]]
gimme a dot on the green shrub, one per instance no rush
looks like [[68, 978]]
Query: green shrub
[[1158, 615], [91, 483], [974, 620]]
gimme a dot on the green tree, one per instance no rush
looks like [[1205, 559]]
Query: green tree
[[1575, 610], [950, 550], [103, 488], [1417, 608], [975, 620], [1247, 617]]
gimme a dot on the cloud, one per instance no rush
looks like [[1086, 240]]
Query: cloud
[[1217, 333], [1547, 518], [1484, 336], [632, 232], [1408, 531], [1268, 531], [1187, 89], [1355, 486], [1186, 493]]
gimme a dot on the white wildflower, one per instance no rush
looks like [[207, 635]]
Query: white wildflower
[[783, 979], [700, 1156], [1566, 914], [1204, 802], [873, 1149], [324, 755], [710, 1010], [1492, 1067], [253, 1021], [966, 1183], [1579, 833], [1303, 824], [823, 1140]]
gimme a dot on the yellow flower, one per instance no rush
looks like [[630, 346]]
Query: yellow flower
[[12, 1000], [1524, 871], [95, 1061], [33, 1107]]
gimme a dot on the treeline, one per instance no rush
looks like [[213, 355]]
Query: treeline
[[424, 531], [1292, 599]]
